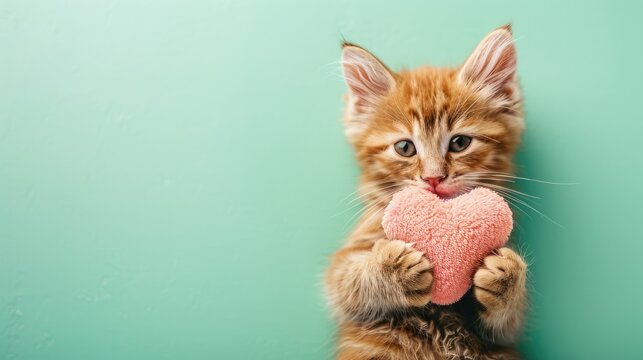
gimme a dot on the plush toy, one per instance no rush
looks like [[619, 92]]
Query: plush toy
[[454, 234]]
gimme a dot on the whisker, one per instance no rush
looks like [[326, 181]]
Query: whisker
[[534, 209], [373, 215], [510, 176], [513, 203], [370, 207], [511, 190], [507, 195], [360, 212], [372, 192], [370, 184], [345, 210], [488, 138], [478, 177], [357, 203], [500, 188], [367, 214]]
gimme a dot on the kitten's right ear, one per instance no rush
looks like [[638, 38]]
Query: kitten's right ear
[[368, 80], [491, 68]]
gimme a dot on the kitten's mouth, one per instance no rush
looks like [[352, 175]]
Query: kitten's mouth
[[443, 193]]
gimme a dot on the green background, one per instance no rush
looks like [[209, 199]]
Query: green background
[[172, 173]]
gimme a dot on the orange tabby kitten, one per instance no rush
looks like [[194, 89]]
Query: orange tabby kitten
[[446, 130]]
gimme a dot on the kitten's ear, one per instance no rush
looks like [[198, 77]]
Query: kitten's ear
[[491, 68], [368, 80]]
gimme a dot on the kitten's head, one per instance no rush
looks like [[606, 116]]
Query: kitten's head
[[444, 129]]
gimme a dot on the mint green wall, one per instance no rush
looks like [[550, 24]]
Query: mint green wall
[[172, 173]]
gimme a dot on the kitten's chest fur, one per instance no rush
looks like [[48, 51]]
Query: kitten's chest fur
[[431, 332]]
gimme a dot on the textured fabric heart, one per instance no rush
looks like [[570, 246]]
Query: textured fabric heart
[[454, 234]]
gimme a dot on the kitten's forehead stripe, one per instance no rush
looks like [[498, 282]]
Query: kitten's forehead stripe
[[414, 113]]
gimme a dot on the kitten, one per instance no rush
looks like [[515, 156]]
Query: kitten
[[446, 130]]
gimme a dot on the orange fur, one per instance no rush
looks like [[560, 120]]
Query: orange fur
[[379, 289]]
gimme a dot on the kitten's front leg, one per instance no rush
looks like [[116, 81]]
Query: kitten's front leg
[[366, 281], [500, 287]]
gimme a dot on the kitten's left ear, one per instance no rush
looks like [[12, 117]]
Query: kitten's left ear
[[491, 68], [369, 82]]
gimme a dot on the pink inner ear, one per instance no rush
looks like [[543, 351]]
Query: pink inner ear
[[454, 234], [367, 78], [492, 64]]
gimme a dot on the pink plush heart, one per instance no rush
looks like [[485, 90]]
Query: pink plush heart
[[455, 234]]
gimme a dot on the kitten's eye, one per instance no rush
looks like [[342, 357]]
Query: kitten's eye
[[405, 148], [459, 143]]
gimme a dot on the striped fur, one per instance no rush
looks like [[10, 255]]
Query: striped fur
[[379, 288]]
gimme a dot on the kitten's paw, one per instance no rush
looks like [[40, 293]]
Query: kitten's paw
[[407, 266], [500, 283]]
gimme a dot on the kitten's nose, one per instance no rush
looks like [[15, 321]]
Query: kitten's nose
[[433, 181]]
